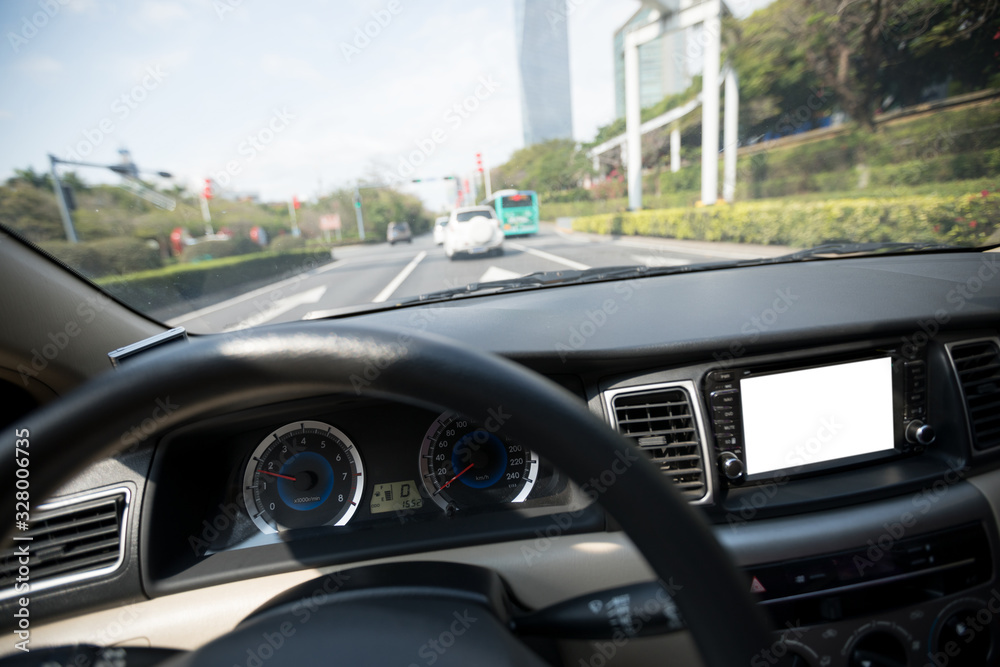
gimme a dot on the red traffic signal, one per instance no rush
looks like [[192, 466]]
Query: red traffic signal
[[207, 192], [295, 201], [479, 162]]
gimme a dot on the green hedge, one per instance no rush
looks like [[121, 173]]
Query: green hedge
[[150, 290], [965, 220], [105, 257], [207, 250]]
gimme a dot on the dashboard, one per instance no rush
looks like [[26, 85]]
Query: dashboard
[[846, 452]]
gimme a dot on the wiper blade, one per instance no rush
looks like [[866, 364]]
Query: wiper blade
[[872, 248], [572, 277], [567, 277]]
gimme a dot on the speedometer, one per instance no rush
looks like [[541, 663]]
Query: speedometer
[[464, 465], [302, 475]]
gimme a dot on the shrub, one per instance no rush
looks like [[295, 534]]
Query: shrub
[[286, 242], [162, 288], [962, 220], [105, 257], [215, 249]]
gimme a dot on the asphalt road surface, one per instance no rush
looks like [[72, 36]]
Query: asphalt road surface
[[374, 273]]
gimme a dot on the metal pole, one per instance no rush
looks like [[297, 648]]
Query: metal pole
[[633, 122], [711, 36], [359, 214], [489, 185], [291, 214], [730, 138], [67, 218], [675, 150]]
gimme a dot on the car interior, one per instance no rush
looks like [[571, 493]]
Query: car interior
[[646, 521]]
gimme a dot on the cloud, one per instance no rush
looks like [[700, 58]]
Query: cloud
[[159, 12], [39, 65]]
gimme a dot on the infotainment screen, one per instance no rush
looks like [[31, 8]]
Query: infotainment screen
[[799, 418]]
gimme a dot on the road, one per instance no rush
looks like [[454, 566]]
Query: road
[[376, 273]]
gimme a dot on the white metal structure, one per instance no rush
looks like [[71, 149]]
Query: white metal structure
[[669, 19]]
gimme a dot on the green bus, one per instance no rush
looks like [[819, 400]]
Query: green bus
[[517, 211]]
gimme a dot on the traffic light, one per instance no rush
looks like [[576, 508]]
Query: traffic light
[[479, 162], [207, 192], [295, 202]]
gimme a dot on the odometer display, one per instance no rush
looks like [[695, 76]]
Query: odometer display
[[464, 465], [303, 475]]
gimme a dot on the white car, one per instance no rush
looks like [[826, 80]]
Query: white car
[[439, 226], [473, 230]]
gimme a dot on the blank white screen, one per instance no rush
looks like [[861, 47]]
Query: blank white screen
[[822, 414]]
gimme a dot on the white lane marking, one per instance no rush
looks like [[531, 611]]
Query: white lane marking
[[681, 248], [222, 305], [654, 260], [398, 280], [665, 244], [496, 273], [549, 256], [279, 307]]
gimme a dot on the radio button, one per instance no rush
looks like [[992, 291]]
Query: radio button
[[723, 414], [718, 377], [724, 399], [725, 428]]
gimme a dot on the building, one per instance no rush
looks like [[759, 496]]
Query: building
[[664, 67], [543, 64]]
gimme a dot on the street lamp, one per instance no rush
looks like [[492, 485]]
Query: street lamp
[[125, 169]]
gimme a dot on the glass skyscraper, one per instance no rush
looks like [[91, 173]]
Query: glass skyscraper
[[663, 64], [543, 64]]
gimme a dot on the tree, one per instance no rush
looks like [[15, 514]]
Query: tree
[[31, 211], [850, 45], [552, 165]]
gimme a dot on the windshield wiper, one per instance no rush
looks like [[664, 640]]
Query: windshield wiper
[[872, 248], [540, 279], [567, 277]]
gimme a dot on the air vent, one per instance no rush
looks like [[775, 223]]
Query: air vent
[[978, 366], [69, 541], [662, 423]]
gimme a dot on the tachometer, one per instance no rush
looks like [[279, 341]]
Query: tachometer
[[301, 475], [464, 465]]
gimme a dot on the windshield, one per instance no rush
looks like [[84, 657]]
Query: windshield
[[219, 165]]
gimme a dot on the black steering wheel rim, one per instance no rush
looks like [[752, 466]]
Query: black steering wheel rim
[[285, 362]]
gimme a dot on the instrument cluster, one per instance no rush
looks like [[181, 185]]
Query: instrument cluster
[[343, 465]]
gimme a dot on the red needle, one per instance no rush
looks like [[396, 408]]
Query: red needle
[[274, 474], [448, 483]]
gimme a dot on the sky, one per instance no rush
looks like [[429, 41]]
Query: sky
[[282, 99]]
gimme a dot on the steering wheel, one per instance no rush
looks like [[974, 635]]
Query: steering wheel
[[284, 362]]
